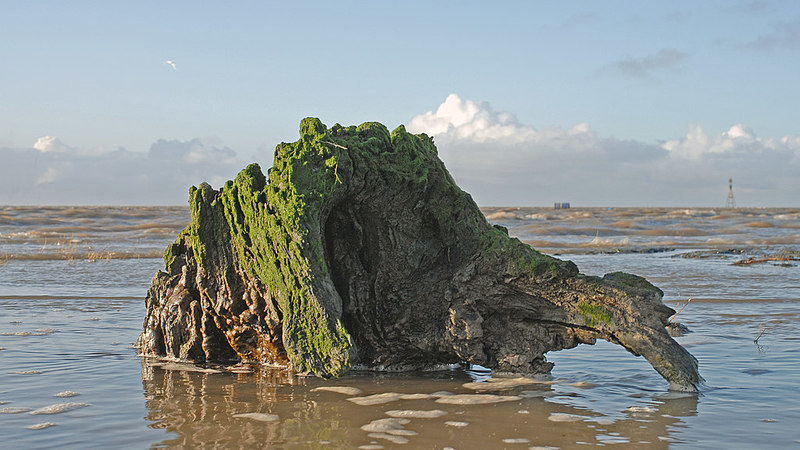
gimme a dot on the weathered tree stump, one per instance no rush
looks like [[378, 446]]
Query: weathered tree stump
[[360, 250]]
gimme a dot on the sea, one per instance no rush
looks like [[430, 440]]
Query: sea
[[72, 288]]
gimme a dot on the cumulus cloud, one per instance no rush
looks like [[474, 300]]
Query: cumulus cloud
[[50, 144], [467, 121], [768, 165], [474, 121], [504, 162], [51, 172], [739, 138], [645, 66]]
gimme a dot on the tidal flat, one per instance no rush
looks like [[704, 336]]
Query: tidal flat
[[69, 318]]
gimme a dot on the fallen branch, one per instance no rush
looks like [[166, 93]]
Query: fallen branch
[[680, 310], [761, 330]]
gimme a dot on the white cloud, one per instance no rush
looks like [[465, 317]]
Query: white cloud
[[504, 162], [693, 146], [492, 155], [52, 172], [50, 144], [470, 120], [738, 139]]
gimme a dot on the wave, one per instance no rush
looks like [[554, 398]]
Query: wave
[[81, 256], [671, 232], [608, 242], [735, 300], [795, 216], [761, 224], [500, 215], [69, 297], [625, 224]]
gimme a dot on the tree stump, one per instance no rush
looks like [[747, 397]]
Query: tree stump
[[359, 249]]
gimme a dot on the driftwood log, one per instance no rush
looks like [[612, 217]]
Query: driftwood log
[[359, 250]]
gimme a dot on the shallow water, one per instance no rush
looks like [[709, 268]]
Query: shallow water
[[72, 286]]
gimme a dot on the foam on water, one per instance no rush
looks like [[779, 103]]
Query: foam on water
[[418, 396], [346, 390], [476, 399], [25, 333], [516, 440], [416, 414], [41, 426], [14, 410], [66, 394], [503, 383], [261, 417], [58, 408], [456, 423], [376, 399], [391, 425], [562, 417], [640, 411]]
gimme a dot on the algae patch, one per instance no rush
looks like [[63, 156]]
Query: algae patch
[[594, 315]]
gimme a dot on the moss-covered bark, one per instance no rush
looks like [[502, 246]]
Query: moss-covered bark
[[359, 248]]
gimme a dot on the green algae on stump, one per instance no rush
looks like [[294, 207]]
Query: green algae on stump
[[358, 249]]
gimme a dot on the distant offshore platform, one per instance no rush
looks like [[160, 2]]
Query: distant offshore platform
[[730, 202]]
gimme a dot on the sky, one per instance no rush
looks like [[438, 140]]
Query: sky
[[615, 103]]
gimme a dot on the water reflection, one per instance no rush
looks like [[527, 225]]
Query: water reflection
[[199, 409]]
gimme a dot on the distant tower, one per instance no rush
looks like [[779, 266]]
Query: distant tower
[[730, 202]]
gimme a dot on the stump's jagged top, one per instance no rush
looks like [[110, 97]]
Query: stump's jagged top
[[358, 249]]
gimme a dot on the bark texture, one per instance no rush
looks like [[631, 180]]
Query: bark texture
[[360, 250]]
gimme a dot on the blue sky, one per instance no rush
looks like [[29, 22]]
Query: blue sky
[[599, 103]]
